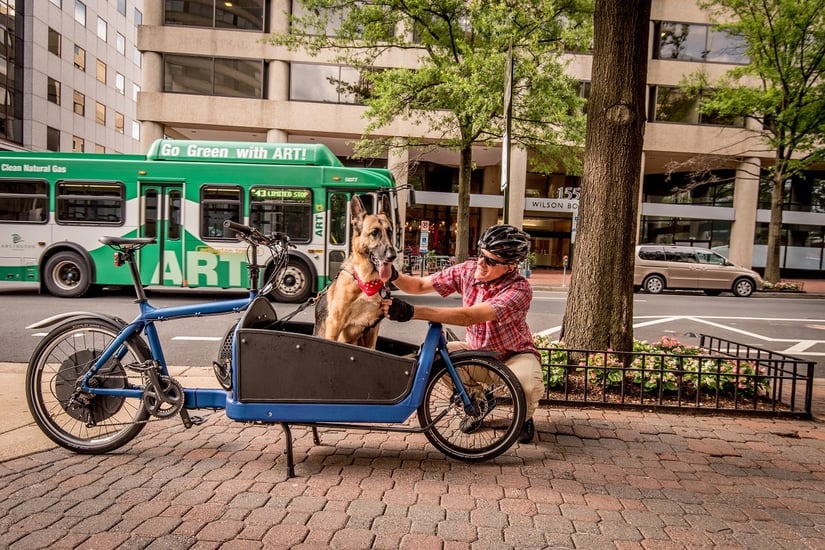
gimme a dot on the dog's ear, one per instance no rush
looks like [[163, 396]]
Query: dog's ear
[[358, 212]]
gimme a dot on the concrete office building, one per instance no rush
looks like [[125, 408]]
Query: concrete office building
[[209, 75], [71, 75]]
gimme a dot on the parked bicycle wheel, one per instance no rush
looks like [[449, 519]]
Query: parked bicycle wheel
[[77, 420], [498, 398]]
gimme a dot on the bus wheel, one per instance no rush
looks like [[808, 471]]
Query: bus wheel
[[66, 275], [295, 285]]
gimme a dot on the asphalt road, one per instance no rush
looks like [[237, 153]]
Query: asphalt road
[[790, 325]]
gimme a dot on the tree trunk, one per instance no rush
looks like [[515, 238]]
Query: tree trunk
[[462, 237], [772, 274], [599, 312]]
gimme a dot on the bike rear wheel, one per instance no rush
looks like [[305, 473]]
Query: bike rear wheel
[[496, 393], [77, 420]]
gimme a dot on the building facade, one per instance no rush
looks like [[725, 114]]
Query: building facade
[[209, 74], [72, 75]]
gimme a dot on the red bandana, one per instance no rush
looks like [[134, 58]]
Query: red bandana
[[370, 288]]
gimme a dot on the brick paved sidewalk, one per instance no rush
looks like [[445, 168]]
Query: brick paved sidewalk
[[595, 479]]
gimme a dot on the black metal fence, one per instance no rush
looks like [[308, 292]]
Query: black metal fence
[[718, 376]]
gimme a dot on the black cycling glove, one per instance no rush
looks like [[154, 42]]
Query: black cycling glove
[[400, 311]]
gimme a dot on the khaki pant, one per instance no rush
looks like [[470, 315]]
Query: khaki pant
[[527, 370]]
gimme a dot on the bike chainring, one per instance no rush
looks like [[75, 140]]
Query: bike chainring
[[165, 399], [82, 405]]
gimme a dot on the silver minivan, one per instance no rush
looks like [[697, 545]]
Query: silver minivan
[[659, 267]]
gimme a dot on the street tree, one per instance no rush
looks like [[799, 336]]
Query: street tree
[[599, 312], [782, 88], [454, 92]]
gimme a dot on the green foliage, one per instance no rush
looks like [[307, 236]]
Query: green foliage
[[456, 89], [665, 366]]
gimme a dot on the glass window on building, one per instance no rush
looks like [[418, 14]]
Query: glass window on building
[[99, 148], [52, 139], [138, 17], [672, 104], [667, 230], [242, 14], [120, 43], [322, 83], [120, 83], [80, 58], [696, 42], [801, 193], [58, 3], [136, 130], [80, 12], [78, 144], [121, 7], [702, 188], [53, 90], [137, 57], [102, 29], [208, 76], [100, 113], [119, 122], [135, 91], [55, 42], [79, 103], [100, 71], [238, 78]]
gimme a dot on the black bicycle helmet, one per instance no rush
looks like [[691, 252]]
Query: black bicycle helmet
[[505, 241]]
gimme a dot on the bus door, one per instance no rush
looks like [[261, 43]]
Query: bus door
[[162, 205], [337, 221]]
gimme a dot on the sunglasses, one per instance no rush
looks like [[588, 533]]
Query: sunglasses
[[491, 262]]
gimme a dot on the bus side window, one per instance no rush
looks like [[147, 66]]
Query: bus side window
[[24, 201], [150, 213], [337, 218], [174, 215], [218, 204]]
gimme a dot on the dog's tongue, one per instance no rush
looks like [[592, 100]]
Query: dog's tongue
[[385, 271]]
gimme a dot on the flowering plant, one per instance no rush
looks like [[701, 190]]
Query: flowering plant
[[663, 366]]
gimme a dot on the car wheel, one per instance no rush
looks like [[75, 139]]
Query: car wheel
[[653, 284], [742, 288]]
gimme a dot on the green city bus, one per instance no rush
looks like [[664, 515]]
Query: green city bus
[[55, 206]]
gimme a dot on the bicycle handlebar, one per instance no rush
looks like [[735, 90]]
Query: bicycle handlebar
[[252, 235]]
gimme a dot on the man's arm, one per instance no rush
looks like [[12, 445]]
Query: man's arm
[[459, 316], [414, 285]]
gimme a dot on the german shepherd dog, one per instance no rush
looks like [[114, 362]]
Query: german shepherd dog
[[349, 310]]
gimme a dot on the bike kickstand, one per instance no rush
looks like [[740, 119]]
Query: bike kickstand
[[290, 464]]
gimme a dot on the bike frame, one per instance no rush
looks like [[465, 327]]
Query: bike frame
[[304, 413]]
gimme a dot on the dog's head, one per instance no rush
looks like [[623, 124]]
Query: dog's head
[[372, 235]]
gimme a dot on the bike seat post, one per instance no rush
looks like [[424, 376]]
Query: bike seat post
[[133, 269], [253, 266]]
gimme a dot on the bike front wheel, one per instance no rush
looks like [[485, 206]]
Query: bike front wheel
[[500, 409], [81, 421]]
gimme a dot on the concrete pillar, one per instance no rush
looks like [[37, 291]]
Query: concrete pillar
[[278, 22], [152, 83], [152, 13], [745, 204], [491, 185], [276, 136]]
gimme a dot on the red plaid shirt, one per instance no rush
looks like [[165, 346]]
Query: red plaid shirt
[[510, 297]]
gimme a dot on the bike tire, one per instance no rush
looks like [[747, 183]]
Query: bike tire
[[499, 428], [59, 362]]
